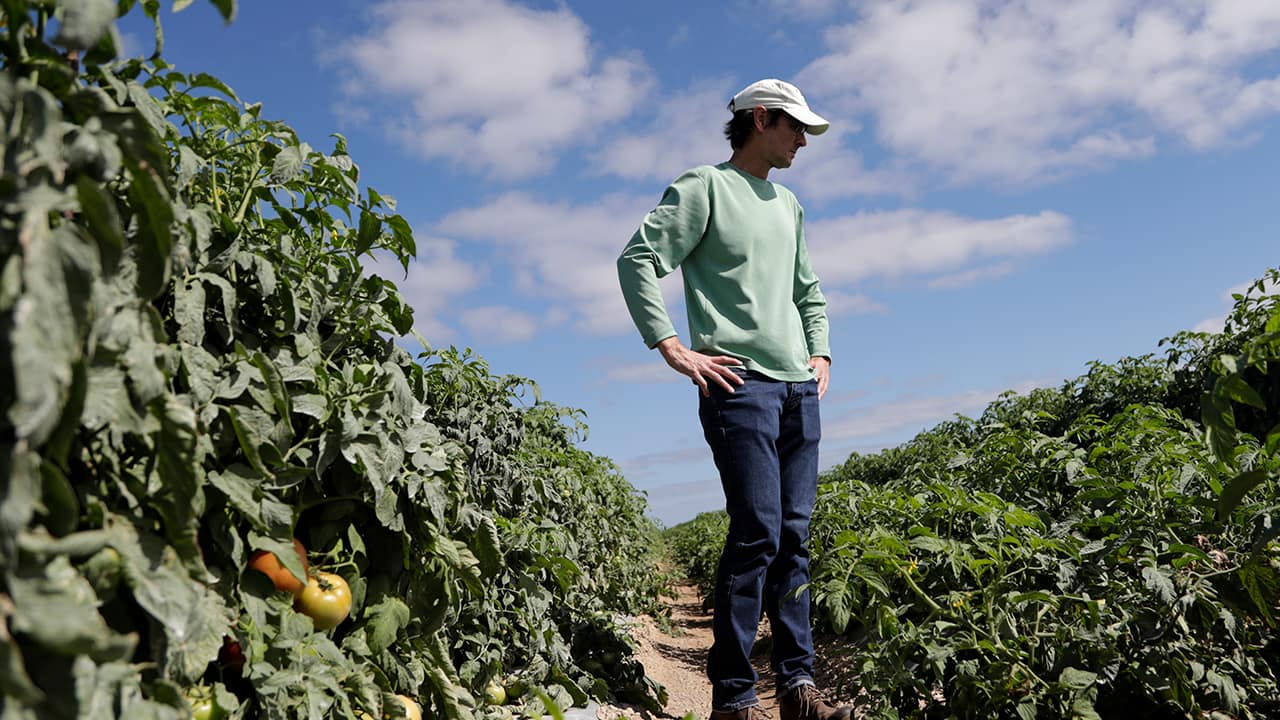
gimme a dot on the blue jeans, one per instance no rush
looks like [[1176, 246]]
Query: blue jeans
[[764, 437]]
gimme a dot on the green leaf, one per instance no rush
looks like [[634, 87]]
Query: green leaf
[[61, 506], [200, 370], [275, 385], [370, 229], [56, 590], [205, 80], [316, 406], [288, 164], [189, 164], [179, 472], [386, 620], [188, 311], [408, 248], [107, 402], [14, 680], [245, 493], [75, 545], [227, 8], [440, 673], [487, 546], [1189, 552], [49, 321], [141, 353], [155, 231], [1076, 678], [151, 111], [282, 548], [1235, 490], [1158, 580], [248, 440], [193, 617], [84, 22], [100, 215], [873, 579], [1262, 582], [1235, 388], [21, 469]]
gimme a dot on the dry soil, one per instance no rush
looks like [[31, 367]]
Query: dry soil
[[677, 661]]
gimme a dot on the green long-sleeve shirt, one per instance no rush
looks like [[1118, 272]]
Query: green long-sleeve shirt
[[748, 286]]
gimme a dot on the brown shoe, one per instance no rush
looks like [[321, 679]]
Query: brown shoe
[[804, 702], [752, 712]]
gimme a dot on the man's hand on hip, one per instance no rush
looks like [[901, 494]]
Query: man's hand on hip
[[702, 368], [822, 373]]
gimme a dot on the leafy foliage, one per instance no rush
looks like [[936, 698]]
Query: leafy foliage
[[1103, 549], [695, 548], [196, 365]]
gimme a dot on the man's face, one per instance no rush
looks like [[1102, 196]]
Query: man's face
[[782, 140]]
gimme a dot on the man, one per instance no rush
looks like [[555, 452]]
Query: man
[[759, 356]]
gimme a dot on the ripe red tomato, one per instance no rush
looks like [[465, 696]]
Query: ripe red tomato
[[326, 600], [268, 564], [231, 656]]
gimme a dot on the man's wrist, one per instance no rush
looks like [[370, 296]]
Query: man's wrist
[[669, 346]]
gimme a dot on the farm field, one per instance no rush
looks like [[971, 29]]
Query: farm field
[[229, 493]]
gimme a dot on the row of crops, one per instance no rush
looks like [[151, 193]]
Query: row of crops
[[1105, 549], [226, 491]]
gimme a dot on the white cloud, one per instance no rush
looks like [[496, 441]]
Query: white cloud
[[648, 464], [128, 45], [911, 414], [825, 169], [499, 324], [897, 243], [973, 276], [842, 303], [803, 8], [1021, 90], [686, 130], [674, 503], [564, 252], [490, 84], [435, 279], [1217, 323], [647, 372]]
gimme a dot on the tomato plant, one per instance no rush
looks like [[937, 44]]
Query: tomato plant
[[1095, 550], [199, 371], [326, 600]]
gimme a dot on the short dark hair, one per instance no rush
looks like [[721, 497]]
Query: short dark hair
[[739, 127]]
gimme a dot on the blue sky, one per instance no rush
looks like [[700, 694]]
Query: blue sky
[[1009, 189]]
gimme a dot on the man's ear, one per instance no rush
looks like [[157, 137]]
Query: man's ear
[[761, 117]]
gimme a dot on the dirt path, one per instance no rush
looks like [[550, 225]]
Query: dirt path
[[677, 661]]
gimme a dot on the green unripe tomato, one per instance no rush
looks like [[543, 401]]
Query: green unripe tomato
[[495, 693]]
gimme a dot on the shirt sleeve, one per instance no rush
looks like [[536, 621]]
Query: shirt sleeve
[[808, 296], [666, 237]]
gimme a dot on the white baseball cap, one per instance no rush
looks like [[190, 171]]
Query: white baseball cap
[[778, 94]]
